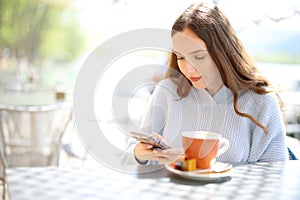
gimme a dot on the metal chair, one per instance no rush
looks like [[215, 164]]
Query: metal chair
[[31, 135], [3, 179], [73, 150]]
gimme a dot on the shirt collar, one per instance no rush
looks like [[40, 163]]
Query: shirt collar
[[221, 97]]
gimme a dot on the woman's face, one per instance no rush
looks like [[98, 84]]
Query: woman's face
[[195, 62]]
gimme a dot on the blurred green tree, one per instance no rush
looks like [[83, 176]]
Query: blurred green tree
[[40, 30]]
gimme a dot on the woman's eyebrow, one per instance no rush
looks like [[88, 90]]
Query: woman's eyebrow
[[192, 52], [196, 51]]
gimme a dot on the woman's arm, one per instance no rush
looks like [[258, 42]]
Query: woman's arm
[[270, 146]]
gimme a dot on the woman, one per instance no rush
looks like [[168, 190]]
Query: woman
[[212, 84]]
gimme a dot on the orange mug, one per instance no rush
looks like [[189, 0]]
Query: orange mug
[[204, 146]]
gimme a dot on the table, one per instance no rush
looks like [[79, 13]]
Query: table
[[32, 123], [32, 98], [250, 181]]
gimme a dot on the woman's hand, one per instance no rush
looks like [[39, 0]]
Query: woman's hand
[[144, 152], [168, 156]]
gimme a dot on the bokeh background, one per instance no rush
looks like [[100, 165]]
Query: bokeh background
[[43, 43]]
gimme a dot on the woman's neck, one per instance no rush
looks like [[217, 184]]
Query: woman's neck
[[215, 90]]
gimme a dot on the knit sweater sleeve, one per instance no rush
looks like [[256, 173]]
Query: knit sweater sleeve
[[270, 146], [152, 122], [155, 117]]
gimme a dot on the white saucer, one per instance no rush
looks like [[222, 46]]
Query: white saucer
[[222, 170]]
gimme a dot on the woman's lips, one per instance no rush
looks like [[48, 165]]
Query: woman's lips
[[195, 79]]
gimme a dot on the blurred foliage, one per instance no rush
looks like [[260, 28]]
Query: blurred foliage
[[40, 30], [284, 57]]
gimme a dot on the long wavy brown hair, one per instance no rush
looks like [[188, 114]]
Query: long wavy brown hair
[[236, 68]]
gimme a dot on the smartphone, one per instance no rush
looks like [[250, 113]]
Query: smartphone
[[149, 139]]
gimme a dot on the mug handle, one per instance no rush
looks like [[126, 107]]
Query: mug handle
[[224, 144]]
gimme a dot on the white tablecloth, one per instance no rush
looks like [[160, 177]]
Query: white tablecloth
[[255, 181]]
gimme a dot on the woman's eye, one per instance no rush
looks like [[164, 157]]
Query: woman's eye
[[199, 57]]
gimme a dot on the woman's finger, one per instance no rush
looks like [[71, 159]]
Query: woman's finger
[[173, 151], [142, 145]]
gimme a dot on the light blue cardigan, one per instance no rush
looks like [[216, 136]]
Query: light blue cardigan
[[169, 115]]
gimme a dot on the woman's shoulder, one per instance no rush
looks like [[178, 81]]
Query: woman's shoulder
[[167, 83], [269, 98], [165, 91], [166, 86]]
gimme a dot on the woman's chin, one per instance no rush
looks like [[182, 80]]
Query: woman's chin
[[199, 86]]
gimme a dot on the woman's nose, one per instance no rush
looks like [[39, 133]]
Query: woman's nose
[[189, 68]]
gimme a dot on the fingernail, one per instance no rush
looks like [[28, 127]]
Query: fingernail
[[149, 146]]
